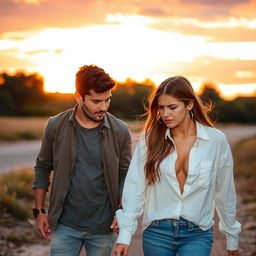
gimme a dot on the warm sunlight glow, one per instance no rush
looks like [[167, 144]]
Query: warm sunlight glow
[[28, 1], [231, 22], [122, 57], [245, 74], [128, 46], [232, 91], [129, 20]]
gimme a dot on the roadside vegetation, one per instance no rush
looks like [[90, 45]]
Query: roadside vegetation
[[31, 128], [245, 169], [21, 128], [16, 195], [16, 201]]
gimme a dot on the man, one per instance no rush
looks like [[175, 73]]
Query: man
[[89, 151]]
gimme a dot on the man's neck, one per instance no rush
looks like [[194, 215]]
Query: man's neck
[[84, 120]]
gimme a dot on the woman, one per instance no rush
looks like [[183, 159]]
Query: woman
[[181, 170]]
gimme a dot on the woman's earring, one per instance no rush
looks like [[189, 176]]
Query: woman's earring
[[191, 114]]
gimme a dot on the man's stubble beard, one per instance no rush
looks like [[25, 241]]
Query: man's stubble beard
[[84, 108]]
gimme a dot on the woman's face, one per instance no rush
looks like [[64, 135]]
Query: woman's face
[[172, 110]]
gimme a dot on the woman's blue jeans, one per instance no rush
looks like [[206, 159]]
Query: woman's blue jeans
[[69, 242], [169, 237]]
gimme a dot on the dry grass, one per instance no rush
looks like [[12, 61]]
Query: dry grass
[[16, 194], [245, 167], [135, 126], [16, 202], [18, 128], [13, 128], [245, 158]]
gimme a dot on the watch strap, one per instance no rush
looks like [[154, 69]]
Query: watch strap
[[37, 211]]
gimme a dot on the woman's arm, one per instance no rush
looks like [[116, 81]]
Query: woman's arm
[[225, 199], [133, 197]]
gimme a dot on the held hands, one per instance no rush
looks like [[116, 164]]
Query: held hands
[[233, 253], [43, 226], [114, 225], [121, 250]]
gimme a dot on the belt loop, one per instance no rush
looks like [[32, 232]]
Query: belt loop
[[189, 225]]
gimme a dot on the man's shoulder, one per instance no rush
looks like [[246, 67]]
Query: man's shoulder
[[62, 115], [116, 123], [59, 119]]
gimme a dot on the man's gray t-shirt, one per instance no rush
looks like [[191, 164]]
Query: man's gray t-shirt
[[87, 206]]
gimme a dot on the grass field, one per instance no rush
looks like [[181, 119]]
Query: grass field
[[244, 154], [15, 128]]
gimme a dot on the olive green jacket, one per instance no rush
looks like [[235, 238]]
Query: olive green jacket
[[58, 153]]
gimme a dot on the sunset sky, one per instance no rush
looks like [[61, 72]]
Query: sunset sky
[[203, 40]]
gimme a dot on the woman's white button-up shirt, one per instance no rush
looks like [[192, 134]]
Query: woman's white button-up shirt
[[209, 184]]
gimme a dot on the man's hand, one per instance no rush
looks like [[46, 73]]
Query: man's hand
[[121, 250], [114, 225], [43, 226], [233, 253]]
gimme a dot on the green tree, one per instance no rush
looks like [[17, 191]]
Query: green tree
[[7, 105], [21, 93], [129, 99]]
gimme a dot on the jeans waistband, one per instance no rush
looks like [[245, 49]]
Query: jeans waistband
[[181, 221]]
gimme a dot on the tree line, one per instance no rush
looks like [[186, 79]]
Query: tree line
[[23, 95]]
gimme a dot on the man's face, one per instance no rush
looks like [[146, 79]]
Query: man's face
[[95, 105]]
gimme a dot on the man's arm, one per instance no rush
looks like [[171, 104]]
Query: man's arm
[[41, 219], [44, 165], [125, 158]]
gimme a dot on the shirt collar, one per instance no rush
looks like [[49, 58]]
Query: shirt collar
[[104, 123], [200, 132]]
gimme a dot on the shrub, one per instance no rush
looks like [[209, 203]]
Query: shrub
[[16, 194]]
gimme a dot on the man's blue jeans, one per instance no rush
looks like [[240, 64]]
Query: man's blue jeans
[[69, 242], [176, 237]]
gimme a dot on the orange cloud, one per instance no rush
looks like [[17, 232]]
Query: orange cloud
[[202, 39]]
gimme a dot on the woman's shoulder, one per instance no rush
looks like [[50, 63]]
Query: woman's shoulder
[[215, 133]]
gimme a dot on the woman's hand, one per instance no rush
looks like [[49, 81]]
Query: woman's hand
[[114, 225], [233, 253], [121, 250]]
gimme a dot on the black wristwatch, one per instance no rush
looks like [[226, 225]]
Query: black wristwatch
[[37, 211]]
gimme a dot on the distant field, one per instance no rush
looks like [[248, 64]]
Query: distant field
[[18, 128], [14, 128]]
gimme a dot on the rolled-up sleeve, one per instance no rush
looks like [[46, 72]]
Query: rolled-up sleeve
[[133, 196], [225, 198], [44, 160]]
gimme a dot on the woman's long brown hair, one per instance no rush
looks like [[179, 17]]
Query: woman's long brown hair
[[158, 147]]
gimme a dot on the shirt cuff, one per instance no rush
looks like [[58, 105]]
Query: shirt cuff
[[124, 237], [232, 243]]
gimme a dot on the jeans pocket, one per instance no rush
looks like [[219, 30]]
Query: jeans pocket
[[195, 228], [154, 223]]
